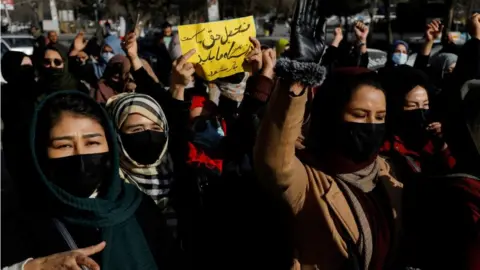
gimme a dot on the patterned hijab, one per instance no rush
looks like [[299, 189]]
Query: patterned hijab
[[154, 179]]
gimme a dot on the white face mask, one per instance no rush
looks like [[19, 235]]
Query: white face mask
[[106, 56], [399, 58]]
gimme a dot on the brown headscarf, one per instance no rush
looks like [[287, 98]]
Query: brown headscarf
[[119, 66]]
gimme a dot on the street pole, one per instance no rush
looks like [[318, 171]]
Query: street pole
[[96, 12]]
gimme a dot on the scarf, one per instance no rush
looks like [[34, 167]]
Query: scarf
[[113, 212], [233, 91], [155, 179], [441, 62], [364, 179], [118, 65], [64, 82]]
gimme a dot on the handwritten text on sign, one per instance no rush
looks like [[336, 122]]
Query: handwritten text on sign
[[220, 46]]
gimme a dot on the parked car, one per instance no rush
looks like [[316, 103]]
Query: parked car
[[19, 43]]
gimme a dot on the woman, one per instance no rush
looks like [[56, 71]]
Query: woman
[[79, 199], [399, 54], [143, 136], [414, 141], [112, 46], [116, 79], [449, 205], [18, 100], [342, 194], [55, 75]]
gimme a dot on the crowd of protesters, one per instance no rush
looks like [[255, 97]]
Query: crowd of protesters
[[309, 160]]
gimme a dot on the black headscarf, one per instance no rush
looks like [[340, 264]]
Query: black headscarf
[[63, 81], [18, 101], [12, 71], [398, 82]]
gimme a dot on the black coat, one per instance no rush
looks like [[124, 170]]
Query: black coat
[[32, 236]]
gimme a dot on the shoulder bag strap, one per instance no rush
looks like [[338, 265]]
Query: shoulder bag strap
[[67, 237], [462, 175], [413, 164]]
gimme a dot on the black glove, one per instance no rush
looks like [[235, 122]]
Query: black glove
[[307, 38], [307, 43]]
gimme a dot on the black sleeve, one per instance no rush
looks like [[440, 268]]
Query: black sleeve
[[421, 62], [146, 85], [468, 64], [330, 57], [159, 237], [364, 60]]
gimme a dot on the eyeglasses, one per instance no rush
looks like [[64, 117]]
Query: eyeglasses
[[55, 62]]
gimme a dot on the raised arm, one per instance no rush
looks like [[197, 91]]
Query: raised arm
[[274, 154], [433, 31]]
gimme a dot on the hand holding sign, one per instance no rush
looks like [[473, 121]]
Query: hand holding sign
[[254, 57], [220, 47]]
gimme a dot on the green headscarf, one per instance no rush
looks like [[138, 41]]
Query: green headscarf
[[113, 212]]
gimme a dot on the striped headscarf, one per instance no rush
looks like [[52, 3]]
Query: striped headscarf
[[154, 179]]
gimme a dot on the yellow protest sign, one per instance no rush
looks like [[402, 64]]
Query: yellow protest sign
[[220, 46]]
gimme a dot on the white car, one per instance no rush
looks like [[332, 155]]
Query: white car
[[4, 49], [19, 43]]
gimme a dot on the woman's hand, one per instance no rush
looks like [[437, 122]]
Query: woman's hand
[[269, 59], [307, 39], [337, 36], [475, 26], [70, 260], [254, 57], [182, 74], [361, 32], [130, 45], [434, 30], [79, 44], [435, 128]]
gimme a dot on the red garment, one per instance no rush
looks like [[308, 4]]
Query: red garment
[[440, 160], [197, 158], [197, 102]]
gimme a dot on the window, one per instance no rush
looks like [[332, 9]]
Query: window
[[19, 42]]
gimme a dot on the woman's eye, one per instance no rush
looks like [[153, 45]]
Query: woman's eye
[[135, 130], [359, 115], [62, 146], [93, 143]]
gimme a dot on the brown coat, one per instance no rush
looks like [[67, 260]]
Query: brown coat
[[318, 203]]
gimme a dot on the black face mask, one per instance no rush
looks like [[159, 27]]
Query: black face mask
[[360, 141], [144, 147], [79, 175], [53, 73], [26, 74], [416, 120]]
